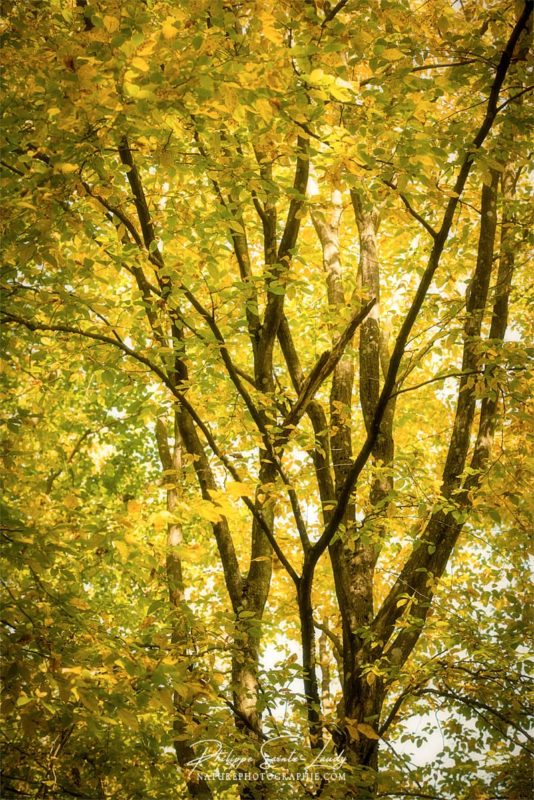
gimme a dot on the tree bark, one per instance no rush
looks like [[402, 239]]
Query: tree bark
[[353, 560], [171, 460], [444, 527]]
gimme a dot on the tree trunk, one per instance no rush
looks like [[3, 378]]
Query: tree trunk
[[171, 460]]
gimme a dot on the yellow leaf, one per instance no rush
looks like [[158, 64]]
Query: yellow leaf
[[140, 64], [134, 506], [206, 510], [426, 161], [392, 54], [264, 109], [340, 92], [78, 603], [90, 702], [269, 31], [23, 700], [160, 519], [129, 719], [111, 24], [237, 489], [147, 47], [235, 226], [123, 549], [86, 73], [191, 553], [363, 71], [165, 696], [67, 169], [133, 90], [316, 76], [168, 30], [352, 730], [367, 731]]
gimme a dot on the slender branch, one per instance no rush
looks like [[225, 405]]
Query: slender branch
[[258, 206], [423, 795], [324, 366], [141, 205], [245, 375], [97, 337], [334, 12], [275, 300], [438, 378], [227, 360], [293, 220], [240, 246], [117, 212], [316, 413], [476, 703], [336, 641], [465, 62], [34, 326], [410, 691], [234, 375], [515, 96], [144, 285], [64, 789], [272, 540], [15, 170], [433, 263], [56, 473], [411, 210]]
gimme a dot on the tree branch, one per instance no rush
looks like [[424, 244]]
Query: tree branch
[[340, 5], [336, 641], [53, 475], [411, 210], [324, 366], [275, 300], [433, 263], [33, 326], [141, 205], [442, 530], [117, 212]]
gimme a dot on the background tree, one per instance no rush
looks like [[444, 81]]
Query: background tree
[[189, 189]]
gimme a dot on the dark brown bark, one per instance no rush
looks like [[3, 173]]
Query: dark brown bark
[[434, 259], [326, 223], [362, 701], [352, 562], [171, 460], [354, 559], [444, 527], [245, 595]]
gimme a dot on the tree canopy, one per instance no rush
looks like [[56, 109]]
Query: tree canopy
[[266, 311]]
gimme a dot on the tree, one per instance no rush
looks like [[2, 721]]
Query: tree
[[189, 188]]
